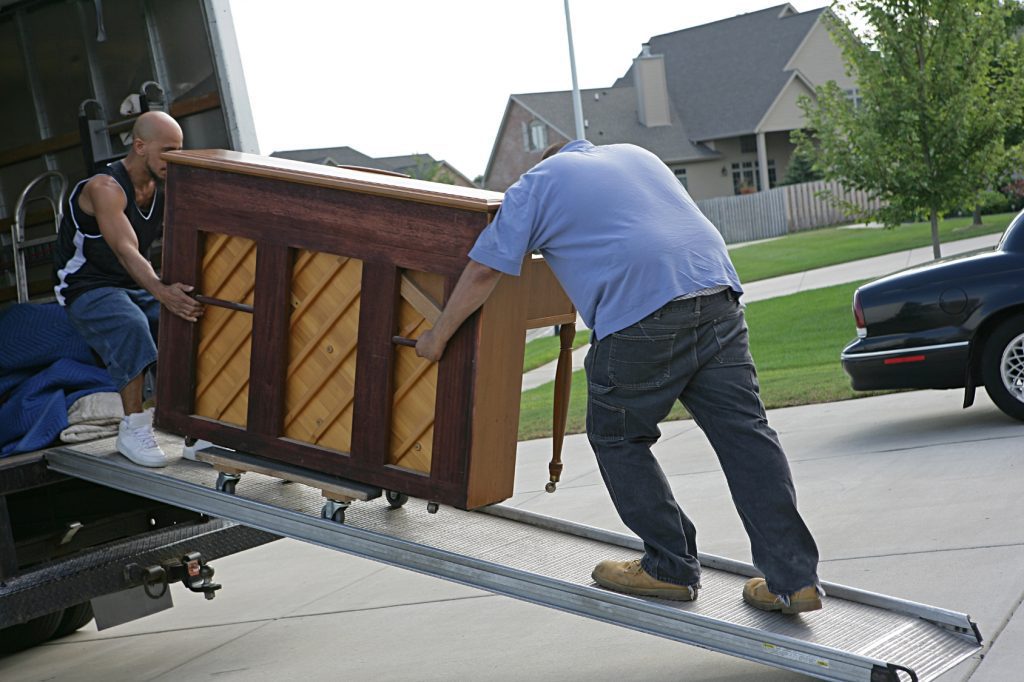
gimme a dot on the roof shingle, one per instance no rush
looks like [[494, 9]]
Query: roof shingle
[[724, 76], [611, 117]]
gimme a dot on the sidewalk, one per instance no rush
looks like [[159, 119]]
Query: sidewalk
[[859, 269], [867, 268]]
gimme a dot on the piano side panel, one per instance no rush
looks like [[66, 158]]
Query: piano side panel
[[547, 302], [497, 385]]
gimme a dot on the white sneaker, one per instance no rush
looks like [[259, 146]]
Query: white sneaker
[[189, 451], [137, 442]]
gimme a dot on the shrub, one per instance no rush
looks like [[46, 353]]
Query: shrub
[[991, 201], [1014, 193]]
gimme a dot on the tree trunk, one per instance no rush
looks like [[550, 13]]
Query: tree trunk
[[936, 250], [977, 216]]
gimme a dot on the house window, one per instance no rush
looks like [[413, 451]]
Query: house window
[[681, 177], [748, 144], [746, 176], [535, 136], [853, 94]]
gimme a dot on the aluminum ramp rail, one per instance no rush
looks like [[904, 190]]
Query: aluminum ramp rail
[[857, 636]]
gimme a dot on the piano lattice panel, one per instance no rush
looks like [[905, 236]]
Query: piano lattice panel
[[229, 268], [415, 387], [225, 336], [320, 380]]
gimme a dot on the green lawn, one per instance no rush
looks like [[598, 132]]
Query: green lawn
[[795, 341], [545, 349], [819, 248]]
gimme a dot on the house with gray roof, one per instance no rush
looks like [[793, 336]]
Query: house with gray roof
[[420, 166], [715, 102]]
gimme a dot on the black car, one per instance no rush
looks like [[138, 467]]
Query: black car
[[953, 323]]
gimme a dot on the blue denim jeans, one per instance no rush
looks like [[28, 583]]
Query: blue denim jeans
[[121, 326], [695, 351]]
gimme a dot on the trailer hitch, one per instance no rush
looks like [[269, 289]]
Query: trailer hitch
[[198, 575], [192, 570]]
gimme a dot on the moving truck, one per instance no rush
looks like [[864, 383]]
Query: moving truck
[[73, 76]]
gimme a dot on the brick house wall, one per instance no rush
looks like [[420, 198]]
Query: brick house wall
[[512, 158]]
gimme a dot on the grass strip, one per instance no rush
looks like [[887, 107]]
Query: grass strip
[[795, 341], [820, 248], [541, 351]]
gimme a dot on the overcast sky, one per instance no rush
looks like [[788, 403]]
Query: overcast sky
[[392, 77]]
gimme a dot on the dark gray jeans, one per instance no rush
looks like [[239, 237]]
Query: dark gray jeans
[[694, 350]]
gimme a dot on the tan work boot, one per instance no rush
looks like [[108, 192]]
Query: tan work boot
[[756, 593], [630, 577]]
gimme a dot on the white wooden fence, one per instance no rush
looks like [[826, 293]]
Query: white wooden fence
[[806, 211], [748, 217], [779, 211]]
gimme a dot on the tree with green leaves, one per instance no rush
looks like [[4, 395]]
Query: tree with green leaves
[[434, 171], [940, 82], [800, 169]]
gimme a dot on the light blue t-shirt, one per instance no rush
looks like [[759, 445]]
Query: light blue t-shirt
[[617, 228]]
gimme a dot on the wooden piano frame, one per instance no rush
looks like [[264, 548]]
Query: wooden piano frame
[[313, 277]]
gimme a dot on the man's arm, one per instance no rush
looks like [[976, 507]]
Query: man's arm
[[108, 203], [473, 288]]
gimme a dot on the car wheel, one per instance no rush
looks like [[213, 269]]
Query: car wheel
[[1003, 366]]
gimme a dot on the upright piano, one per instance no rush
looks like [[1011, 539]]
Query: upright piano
[[316, 282]]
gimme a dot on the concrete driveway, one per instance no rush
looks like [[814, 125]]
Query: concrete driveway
[[907, 495]]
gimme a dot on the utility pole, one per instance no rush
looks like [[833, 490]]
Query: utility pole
[[577, 104]]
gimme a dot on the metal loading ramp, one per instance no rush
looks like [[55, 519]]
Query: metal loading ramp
[[857, 636]]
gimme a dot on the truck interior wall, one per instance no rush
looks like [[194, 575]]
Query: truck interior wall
[[55, 54]]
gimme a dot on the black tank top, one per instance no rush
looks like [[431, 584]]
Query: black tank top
[[82, 259]]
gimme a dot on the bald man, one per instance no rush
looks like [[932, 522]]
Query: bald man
[[106, 282]]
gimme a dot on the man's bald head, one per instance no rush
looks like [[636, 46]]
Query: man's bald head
[[153, 134], [155, 124]]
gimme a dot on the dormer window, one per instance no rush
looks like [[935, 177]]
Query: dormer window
[[535, 136]]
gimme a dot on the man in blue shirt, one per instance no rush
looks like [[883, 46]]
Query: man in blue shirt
[[652, 277]]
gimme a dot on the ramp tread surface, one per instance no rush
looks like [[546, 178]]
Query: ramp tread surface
[[560, 557]]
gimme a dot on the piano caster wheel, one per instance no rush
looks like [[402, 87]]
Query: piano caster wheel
[[335, 511], [550, 487], [395, 499], [226, 483], [432, 507]]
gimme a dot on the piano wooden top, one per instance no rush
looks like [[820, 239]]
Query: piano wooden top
[[363, 181]]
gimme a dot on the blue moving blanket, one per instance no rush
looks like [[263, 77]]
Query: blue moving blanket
[[45, 366]]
